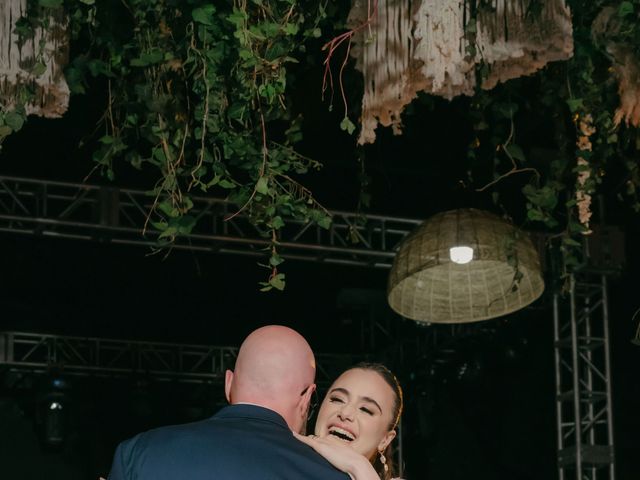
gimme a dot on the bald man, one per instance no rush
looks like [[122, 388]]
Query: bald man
[[270, 391]]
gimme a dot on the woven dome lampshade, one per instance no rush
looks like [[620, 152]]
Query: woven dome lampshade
[[460, 266]]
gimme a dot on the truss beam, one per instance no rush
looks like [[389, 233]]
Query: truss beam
[[42, 353], [583, 386], [109, 214]]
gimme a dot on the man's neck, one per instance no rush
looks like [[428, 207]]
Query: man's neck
[[264, 406]]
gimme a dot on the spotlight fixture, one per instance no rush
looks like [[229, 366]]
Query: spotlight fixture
[[54, 404]]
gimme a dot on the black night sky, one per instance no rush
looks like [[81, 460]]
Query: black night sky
[[496, 421]]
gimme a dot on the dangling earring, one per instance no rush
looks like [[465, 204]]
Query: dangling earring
[[383, 461]]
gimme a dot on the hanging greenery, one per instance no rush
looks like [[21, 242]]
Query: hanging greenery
[[198, 92], [592, 100], [585, 100]]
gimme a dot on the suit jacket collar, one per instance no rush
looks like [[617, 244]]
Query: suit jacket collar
[[252, 411]]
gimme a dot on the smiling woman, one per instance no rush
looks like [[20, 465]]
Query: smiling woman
[[361, 411]]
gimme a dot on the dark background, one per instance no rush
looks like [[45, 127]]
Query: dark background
[[483, 408]]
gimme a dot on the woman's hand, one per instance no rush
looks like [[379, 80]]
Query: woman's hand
[[341, 457]]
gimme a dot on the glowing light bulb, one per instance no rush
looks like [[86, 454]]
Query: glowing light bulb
[[461, 255]]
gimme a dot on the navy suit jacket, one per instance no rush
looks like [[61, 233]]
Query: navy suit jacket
[[243, 442]]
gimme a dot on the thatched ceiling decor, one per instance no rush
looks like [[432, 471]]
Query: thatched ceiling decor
[[446, 67], [435, 46], [384, 55], [626, 66], [38, 63], [514, 41]]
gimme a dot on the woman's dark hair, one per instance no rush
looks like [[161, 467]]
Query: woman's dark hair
[[392, 381]]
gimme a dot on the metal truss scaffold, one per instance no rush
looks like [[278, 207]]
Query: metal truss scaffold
[[99, 357], [115, 215], [42, 353], [583, 387]]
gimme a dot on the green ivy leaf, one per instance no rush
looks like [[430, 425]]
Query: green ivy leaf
[[545, 197], [14, 120], [168, 209], [324, 222], [347, 125], [278, 281], [275, 260], [571, 242], [161, 226], [98, 67], [168, 232], [237, 18], [277, 222], [214, 180], [471, 27], [625, 8], [75, 80], [187, 204], [535, 215], [23, 28], [576, 227], [575, 104], [291, 29], [270, 29], [262, 186], [516, 152], [38, 69], [204, 15], [148, 58], [506, 109]]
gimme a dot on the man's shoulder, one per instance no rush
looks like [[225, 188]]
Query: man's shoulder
[[169, 436], [244, 438], [233, 425], [227, 417]]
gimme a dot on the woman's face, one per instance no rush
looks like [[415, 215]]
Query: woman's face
[[357, 411]]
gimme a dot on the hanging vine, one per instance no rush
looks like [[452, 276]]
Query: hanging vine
[[597, 90], [196, 91]]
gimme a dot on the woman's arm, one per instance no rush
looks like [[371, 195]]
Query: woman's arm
[[343, 458]]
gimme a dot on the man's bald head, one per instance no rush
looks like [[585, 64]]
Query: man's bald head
[[274, 367]]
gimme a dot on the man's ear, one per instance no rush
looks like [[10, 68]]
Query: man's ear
[[305, 400], [386, 440], [228, 381]]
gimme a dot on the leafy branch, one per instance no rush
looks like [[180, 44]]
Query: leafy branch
[[513, 152], [195, 92]]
